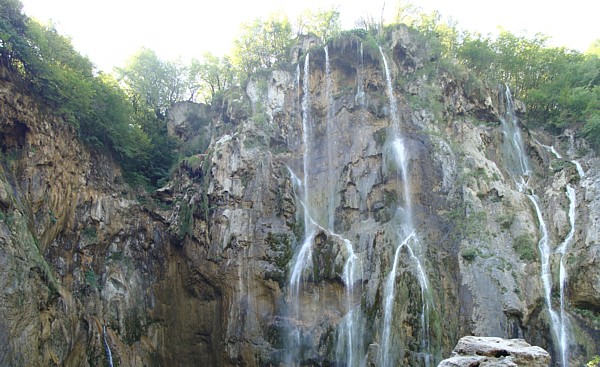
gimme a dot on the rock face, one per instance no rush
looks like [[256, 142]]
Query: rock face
[[333, 212], [495, 352]]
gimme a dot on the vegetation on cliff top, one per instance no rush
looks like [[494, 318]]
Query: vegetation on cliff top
[[124, 114]]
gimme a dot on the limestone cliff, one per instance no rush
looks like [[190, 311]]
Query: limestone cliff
[[363, 206]]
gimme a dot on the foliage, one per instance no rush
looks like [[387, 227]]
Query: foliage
[[91, 279], [106, 117], [525, 247], [560, 87], [186, 220], [57, 72], [262, 44], [470, 254], [155, 83], [12, 32], [90, 233], [209, 77], [594, 362], [468, 223], [324, 24]]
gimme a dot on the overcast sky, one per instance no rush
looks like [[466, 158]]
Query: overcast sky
[[109, 31]]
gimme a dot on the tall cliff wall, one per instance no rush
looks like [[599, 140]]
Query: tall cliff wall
[[360, 207]]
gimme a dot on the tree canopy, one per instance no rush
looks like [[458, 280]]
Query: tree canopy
[[262, 44]]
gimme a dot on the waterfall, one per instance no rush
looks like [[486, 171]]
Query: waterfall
[[349, 341], [551, 149], [407, 236], [513, 141], [107, 347], [564, 322], [350, 331], [330, 144], [546, 275], [389, 293], [303, 259], [520, 166], [306, 130], [360, 89], [580, 170]]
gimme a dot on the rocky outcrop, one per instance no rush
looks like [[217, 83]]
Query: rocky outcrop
[[495, 352]]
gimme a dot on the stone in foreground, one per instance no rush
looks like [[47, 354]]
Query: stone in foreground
[[474, 351]]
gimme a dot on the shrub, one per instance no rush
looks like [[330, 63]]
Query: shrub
[[524, 246]]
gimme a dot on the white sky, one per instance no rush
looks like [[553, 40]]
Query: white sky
[[109, 31]]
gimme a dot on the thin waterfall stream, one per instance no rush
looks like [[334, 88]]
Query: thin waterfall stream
[[520, 167], [407, 237], [349, 340], [564, 321], [330, 143], [107, 347], [303, 257]]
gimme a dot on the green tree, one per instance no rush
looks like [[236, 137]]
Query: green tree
[[154, 83], [324, 24], [59, 73], [209, 77], [595, 362], [262, 44], [594, 48], [12, 32]]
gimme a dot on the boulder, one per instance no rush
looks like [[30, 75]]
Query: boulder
[[496, 352]]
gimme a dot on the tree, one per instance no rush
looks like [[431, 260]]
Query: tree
[[594, 48], [262, 44], [58, 72], [324, 24], [152, 82], [12, 31], [209, 77]]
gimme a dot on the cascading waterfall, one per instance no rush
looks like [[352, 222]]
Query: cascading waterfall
[[572, 152], [303, 258], [551, 149], [107, 347], [580, 170], [350, 331], [564, 322], [349, 346], [407, 237], [545, 252], [348, 341], [520, 167], [513, 139]]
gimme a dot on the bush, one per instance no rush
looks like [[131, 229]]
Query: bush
[[595, 362], [525, 247], [470, 254]]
